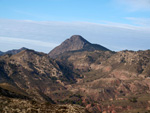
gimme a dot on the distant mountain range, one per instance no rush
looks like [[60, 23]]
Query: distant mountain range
[[14, 51], [75, 77]]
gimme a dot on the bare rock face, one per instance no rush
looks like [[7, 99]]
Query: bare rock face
[[76, 42]]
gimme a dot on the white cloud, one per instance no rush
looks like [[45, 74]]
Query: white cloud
[[140, 21], [43, 36], [9, 43], [134, 5], [28, 41], [122, 26]]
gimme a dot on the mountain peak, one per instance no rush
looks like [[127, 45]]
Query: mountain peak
[[78, 38], [74, 43], [23, 48]]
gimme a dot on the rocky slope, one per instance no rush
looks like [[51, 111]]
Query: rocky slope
[[118, 81], [85, 60], [35, 73], [32, 82], [76, 42]]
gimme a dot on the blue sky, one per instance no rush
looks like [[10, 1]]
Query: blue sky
[[75, 10], [44, 24]]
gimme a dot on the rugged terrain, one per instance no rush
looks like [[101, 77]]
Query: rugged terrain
[[74, 74], [119, 82]]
